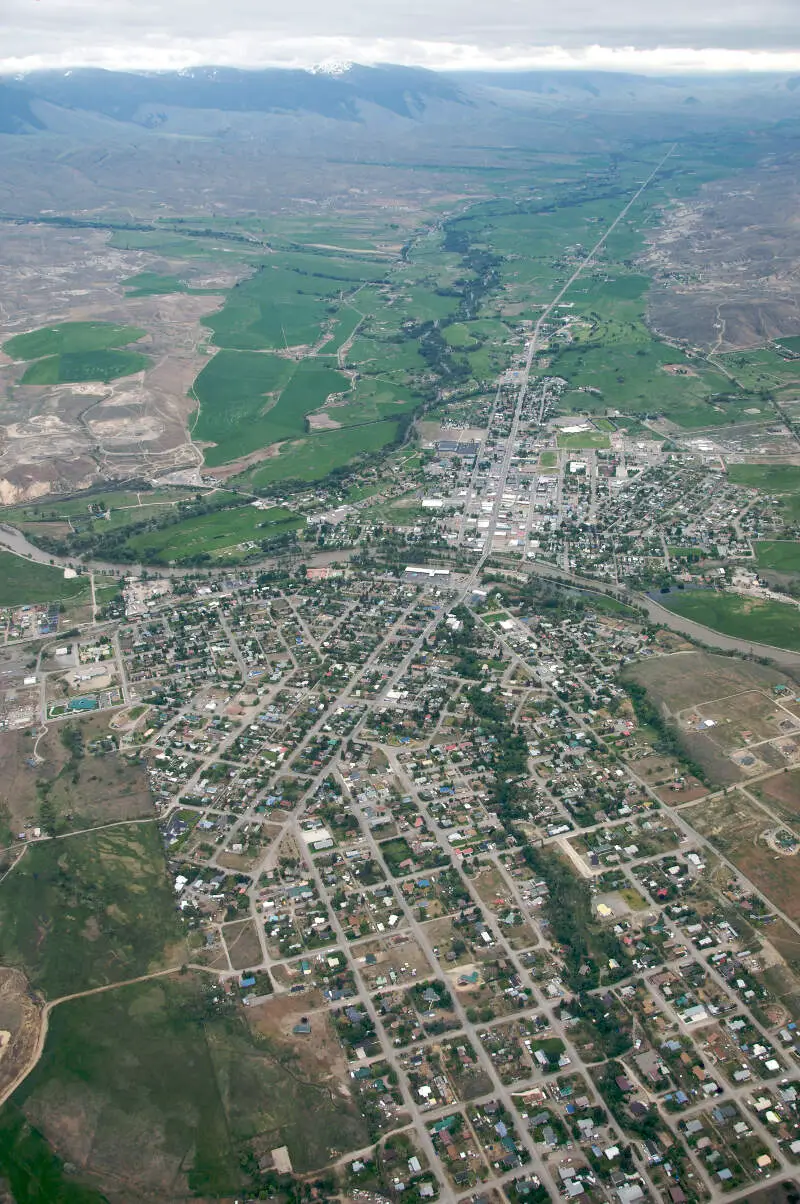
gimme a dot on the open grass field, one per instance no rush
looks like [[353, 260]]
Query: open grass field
[[71, 338], [769, 478], [312, 458], [762, 369], [781, 794], [23, 581], [783, 555], [30, 1169], [89, 910], [160, 1066], [217, 535], [763, 622], [73, 367]]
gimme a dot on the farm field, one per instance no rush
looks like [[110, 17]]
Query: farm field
[[91, 910], [249, 401], [71, 338], [73, 367], [23, 581], [770, 478], [314, 457], [762, 369], [780, 480], [783, 555], [763, 622], [154, 284], [217, 536], [77, 351]]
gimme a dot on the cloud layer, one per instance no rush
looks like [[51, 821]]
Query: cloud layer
[[684, 35]]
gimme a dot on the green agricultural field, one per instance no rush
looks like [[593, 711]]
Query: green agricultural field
[[23, 581], [276, 307], [316, 456], [460, 335], [637, 374], [73, 367], [154, 284], [91, 910], [216, 535], [762, 370], [783, 555], [584, 440], [372, 399], [249, 401], [762, 622], [70, 338]]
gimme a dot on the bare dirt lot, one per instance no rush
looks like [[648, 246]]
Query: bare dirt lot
[[738, 827], [243, 945], [781, 793]]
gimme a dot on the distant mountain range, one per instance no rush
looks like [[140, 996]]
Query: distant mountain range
[[350, 93]]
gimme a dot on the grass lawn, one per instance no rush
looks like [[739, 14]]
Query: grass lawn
[[783, 555], [23, 581], [74, 366], [584, 440], [70, 338], [762, 622], [218, 534], [89, 910], [548, 459]]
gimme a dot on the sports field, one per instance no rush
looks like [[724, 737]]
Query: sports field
[[584, 441]]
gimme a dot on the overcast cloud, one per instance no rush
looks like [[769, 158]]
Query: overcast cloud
[[628, 34]]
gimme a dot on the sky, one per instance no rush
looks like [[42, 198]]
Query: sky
[[630, 35]]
